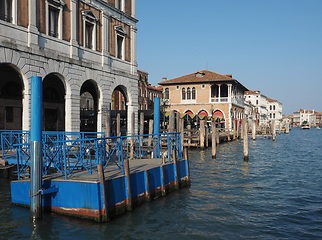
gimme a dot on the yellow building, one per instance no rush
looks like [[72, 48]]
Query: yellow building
[[206, 93]]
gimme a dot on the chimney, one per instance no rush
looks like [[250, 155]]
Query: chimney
[[164, 79]]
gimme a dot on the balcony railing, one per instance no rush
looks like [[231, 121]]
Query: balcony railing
[[234, 100], [219, 100]]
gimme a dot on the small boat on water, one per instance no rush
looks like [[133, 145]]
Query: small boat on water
[[317, 127], [305, 126]]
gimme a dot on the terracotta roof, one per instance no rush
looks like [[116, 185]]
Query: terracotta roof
[[250, 92], [271, 100], [157, 88], [199, 76]]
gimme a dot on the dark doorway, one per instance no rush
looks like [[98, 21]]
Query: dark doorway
[[88, 106], [11, 87], [53, 103]]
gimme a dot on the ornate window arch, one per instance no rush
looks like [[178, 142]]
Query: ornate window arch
[[120, 33], [193, 94], [167, 93], [54, 16], [89, 29], [183, 94], [188, 93]]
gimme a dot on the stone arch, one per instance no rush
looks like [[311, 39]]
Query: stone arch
[[119, 104], [12, 86], [130, 90], [219, 117], [54, 95], [89, 120], [203, 112], [189, 111]]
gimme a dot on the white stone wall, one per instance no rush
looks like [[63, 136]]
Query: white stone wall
[[74, 74]]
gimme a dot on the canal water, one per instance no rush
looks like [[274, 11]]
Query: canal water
[[276, 195]]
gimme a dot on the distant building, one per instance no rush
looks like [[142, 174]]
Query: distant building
[[318, 116], [303, 115], [274, 109], [147, 93], [260, 102], [206, 93]]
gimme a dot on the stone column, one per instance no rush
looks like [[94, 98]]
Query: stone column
[[131, 130], [32, 27], [73, 51], [229, 92], [133, 8], [133, 51], [72, 113], [26, 111], [105, 39]]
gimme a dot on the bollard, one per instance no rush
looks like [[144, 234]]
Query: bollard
[[36, 149]]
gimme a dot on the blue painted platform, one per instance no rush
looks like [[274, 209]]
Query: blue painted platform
[[82, 195], [71, 182]]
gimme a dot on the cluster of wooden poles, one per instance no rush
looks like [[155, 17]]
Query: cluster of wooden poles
[[204, 134]]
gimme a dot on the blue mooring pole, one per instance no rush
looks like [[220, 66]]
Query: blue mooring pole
[[156, 120], [36, 149], [156, 125]]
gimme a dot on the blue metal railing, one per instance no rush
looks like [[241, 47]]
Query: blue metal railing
[[69, 154], [9, 139]]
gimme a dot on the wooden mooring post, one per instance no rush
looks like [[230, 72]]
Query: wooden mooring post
[[171, 121], [141, 123], [287, 127], [100, 169], [253, 129], [245, 138], [273, 130], [118, 124], [213, 139], [202, 134], [128, 183]]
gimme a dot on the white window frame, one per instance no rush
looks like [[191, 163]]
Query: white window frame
[[120, 32], [13, 16], [91, 18], [118, 3], [59, 5]]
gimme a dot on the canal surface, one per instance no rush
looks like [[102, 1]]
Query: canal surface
[[276, 195]]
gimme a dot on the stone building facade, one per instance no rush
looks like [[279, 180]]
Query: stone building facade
[[206, 93], [146, 92], [80, 48]]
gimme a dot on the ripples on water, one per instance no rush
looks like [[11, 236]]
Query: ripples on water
[[276, 195]]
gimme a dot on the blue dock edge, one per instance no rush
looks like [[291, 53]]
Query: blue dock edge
[[84, 199], [72, 182]]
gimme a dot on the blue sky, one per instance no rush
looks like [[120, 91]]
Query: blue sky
[[274, 46]]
